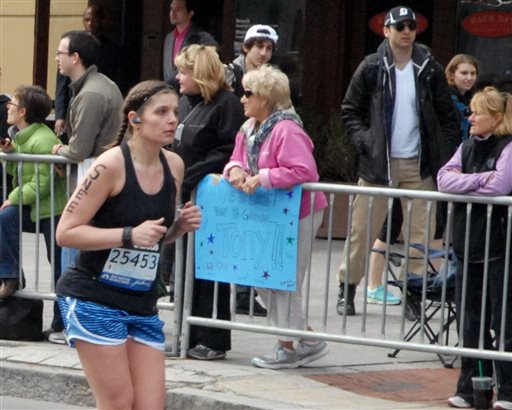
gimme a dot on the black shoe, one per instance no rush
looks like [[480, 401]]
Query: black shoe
[[8, 287], [201, 352], [412, 311], [243, 301], [340, 305]]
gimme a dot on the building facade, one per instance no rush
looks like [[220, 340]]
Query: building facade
[[321, 42]]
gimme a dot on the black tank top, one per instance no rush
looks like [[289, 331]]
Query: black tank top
[[130, 207]]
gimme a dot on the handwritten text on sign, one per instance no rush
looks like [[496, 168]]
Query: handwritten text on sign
[[247, 239]]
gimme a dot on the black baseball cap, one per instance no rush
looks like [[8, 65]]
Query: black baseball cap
[[398, 14]]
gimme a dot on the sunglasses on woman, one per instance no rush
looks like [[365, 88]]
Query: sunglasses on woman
[[401, 26]]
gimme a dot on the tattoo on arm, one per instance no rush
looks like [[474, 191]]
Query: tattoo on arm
[[84, 188]]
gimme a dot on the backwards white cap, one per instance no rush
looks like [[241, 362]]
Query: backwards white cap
[[261, 31]]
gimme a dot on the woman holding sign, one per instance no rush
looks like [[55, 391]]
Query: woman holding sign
[[118, 217], [210, 116], [273, 150]]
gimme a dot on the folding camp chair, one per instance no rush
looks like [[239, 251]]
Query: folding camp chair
[[428, 301]]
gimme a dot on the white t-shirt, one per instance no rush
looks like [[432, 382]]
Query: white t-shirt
[[405, 128]]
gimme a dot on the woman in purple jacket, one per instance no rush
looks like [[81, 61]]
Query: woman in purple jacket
[[273, 150], [481, 166]]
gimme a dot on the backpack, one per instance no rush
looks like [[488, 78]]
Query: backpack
[[21, 319], [234, 74]]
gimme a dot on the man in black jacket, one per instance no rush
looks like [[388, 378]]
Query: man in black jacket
[[398, 113]]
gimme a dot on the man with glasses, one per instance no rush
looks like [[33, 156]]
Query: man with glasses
[[398, 113], [110, 62], [93, 117], [94, 114]]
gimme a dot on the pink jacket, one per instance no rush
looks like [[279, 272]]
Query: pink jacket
[[286, 159]]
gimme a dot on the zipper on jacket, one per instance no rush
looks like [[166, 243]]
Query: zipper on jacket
[[416, 80], [388, 148]]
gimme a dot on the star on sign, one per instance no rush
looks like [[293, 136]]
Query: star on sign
[[211, 238], [290, 240], [266, 274], [290, 194], [285, 211]]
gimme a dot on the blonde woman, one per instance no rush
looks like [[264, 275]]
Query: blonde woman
[[481, 166], [210, 116]]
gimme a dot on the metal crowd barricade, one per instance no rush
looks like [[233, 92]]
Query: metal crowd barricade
[[39, 276], [374, 327], [38, 289]]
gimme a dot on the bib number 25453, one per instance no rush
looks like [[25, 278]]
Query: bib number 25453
[[132, 269]]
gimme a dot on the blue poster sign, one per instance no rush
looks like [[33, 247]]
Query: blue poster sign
[[248, 239]]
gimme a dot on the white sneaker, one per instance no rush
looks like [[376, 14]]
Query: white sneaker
[[168, 352], [310, 351], [459, 403], [502, 405], [278, 358], [57, 338]]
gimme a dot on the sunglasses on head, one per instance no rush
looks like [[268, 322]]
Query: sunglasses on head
[[401, 26]]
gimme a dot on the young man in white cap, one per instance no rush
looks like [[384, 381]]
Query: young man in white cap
[[398, 113], [257, 49]]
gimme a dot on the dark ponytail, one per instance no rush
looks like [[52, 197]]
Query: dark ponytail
[[120, 134]]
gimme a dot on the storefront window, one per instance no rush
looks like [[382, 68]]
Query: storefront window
[[485, 30], [287, 18]]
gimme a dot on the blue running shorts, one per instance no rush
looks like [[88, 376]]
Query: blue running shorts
[[103, 325]]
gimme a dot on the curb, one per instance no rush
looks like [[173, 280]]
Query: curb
[[70, 386], [39, 383], [188, 398]]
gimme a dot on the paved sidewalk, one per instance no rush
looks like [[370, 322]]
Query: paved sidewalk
[[51, 372], [349, 377]]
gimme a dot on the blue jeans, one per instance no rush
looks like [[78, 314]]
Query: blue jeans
[[10, 249]]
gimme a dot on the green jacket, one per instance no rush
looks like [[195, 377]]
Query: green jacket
[[36, 139]]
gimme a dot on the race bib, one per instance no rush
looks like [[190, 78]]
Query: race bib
[[132, 269]]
